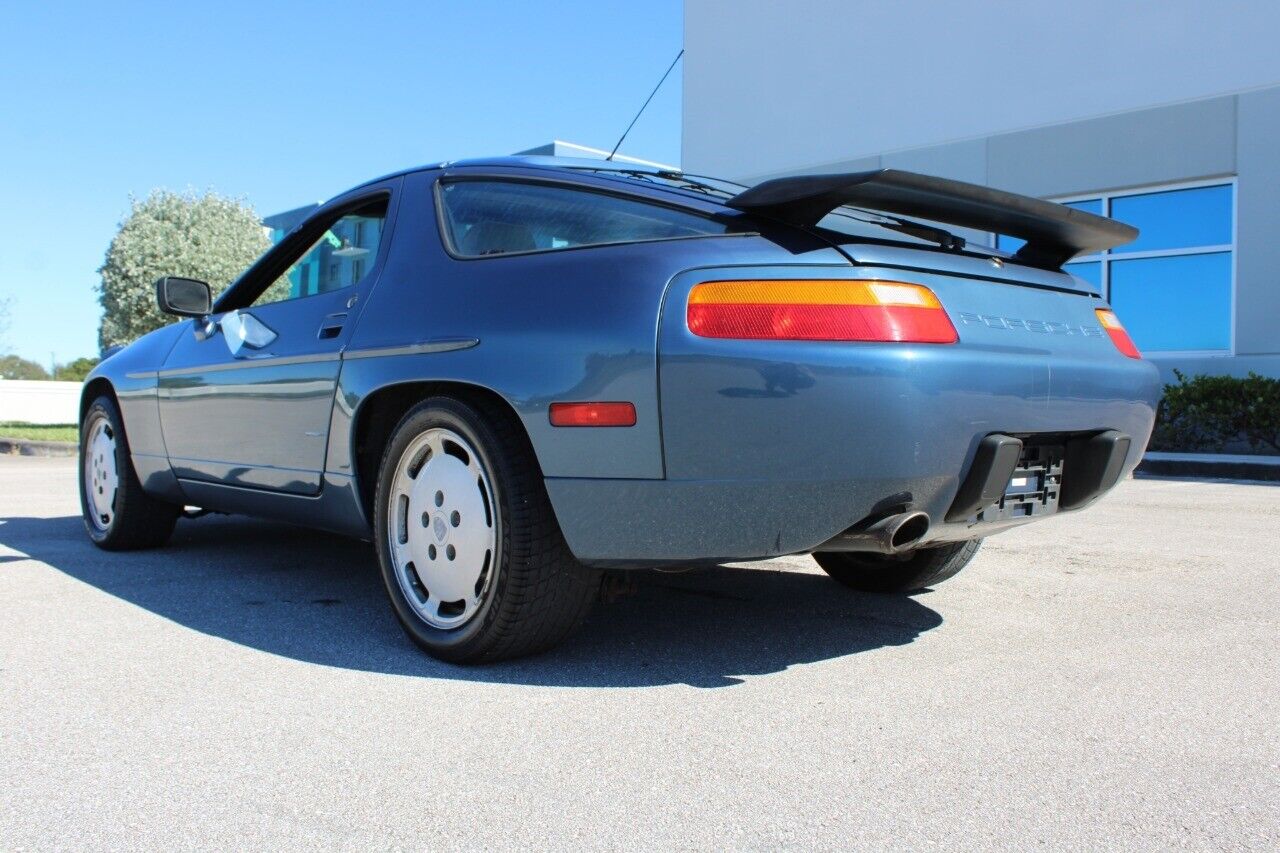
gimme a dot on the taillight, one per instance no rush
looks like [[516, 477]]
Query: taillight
[[819, 310], [1116, 331]]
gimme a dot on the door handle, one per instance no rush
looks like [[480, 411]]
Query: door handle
[[331, 326]]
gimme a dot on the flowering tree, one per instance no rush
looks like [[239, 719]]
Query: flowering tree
[[207, 237]]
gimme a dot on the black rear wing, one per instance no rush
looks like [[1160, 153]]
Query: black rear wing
[[1054, 233]]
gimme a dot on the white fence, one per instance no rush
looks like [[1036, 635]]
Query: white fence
[[37, 402]]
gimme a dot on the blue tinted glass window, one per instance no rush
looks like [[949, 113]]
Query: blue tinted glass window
[[1176, 219], [1175, 303], [336, 259], [1090, 271], [1088, 205], [1009, 244], [503, 217]]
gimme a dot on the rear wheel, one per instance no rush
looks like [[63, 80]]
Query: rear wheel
[[118, 514], [907, 572], [471, 554]]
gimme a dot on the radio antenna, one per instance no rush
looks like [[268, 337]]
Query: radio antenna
[[646, 103]]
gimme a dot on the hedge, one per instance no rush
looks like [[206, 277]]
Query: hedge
[[1219, 414]]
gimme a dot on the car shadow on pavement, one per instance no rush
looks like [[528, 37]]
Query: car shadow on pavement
[[319, 598]]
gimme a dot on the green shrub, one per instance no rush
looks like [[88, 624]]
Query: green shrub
[[13, 367], [75, 371], [1212, 413]]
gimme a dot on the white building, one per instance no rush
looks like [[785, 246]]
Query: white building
[[1165, 115]]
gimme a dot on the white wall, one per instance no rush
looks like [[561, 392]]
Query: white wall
[[37, 402], [770, 86]]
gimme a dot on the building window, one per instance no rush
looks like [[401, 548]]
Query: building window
[[1173, 286]]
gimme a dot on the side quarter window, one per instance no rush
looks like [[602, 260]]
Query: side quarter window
[[500, 217], [340, 257]]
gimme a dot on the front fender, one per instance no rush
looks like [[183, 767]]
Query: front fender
[[130, 375]]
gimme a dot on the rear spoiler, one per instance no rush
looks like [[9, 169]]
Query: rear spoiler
[[1054, 233]]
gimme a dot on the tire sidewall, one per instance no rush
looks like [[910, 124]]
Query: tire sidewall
[[462, 419], [105, 408], [907, 574]]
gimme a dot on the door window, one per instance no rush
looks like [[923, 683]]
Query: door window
[[340, 257]]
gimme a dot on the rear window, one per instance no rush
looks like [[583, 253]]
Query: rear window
[[506, 217]]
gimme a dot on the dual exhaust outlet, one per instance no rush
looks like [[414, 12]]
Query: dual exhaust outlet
[[891, 535]]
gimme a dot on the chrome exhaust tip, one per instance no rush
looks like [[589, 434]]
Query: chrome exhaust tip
[[899, 533], [891, 535]]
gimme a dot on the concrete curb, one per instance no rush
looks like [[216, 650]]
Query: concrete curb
[[24, 447], [1205, 465]]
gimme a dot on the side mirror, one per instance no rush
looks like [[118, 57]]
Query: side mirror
[[184, 297]]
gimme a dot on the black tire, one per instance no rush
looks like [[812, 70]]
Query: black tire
[[136, 520], [539, 593], [910, 572]]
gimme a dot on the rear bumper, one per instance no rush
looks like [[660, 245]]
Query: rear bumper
[[636, 523], [783, 470]]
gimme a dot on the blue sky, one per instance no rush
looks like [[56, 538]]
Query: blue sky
[[285, 104]]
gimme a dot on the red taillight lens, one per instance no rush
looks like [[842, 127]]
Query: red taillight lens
[[890, 311], [1116, 331], [593, 414]]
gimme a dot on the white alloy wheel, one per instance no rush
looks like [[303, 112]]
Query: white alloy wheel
[[442, 528], [101, 478]]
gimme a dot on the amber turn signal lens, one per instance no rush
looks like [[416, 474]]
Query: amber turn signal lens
[[1116, 332], [593, 414], [819, 310]]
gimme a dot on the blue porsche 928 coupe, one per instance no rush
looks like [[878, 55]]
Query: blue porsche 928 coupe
[[515, 375]]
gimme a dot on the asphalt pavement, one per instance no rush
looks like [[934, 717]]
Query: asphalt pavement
[[1108, 679]]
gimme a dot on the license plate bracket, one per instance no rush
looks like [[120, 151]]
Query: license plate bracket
[[1033, 487]]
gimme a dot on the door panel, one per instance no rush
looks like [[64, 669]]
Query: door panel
[[245, 398], [258, 418]]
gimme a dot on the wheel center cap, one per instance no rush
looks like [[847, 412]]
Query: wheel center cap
[[440, 527]]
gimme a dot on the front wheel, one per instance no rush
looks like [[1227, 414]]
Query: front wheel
[[907, 572], [118, 514], [471, 554]]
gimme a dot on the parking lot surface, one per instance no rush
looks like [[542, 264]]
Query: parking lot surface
[[1106, 679]]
